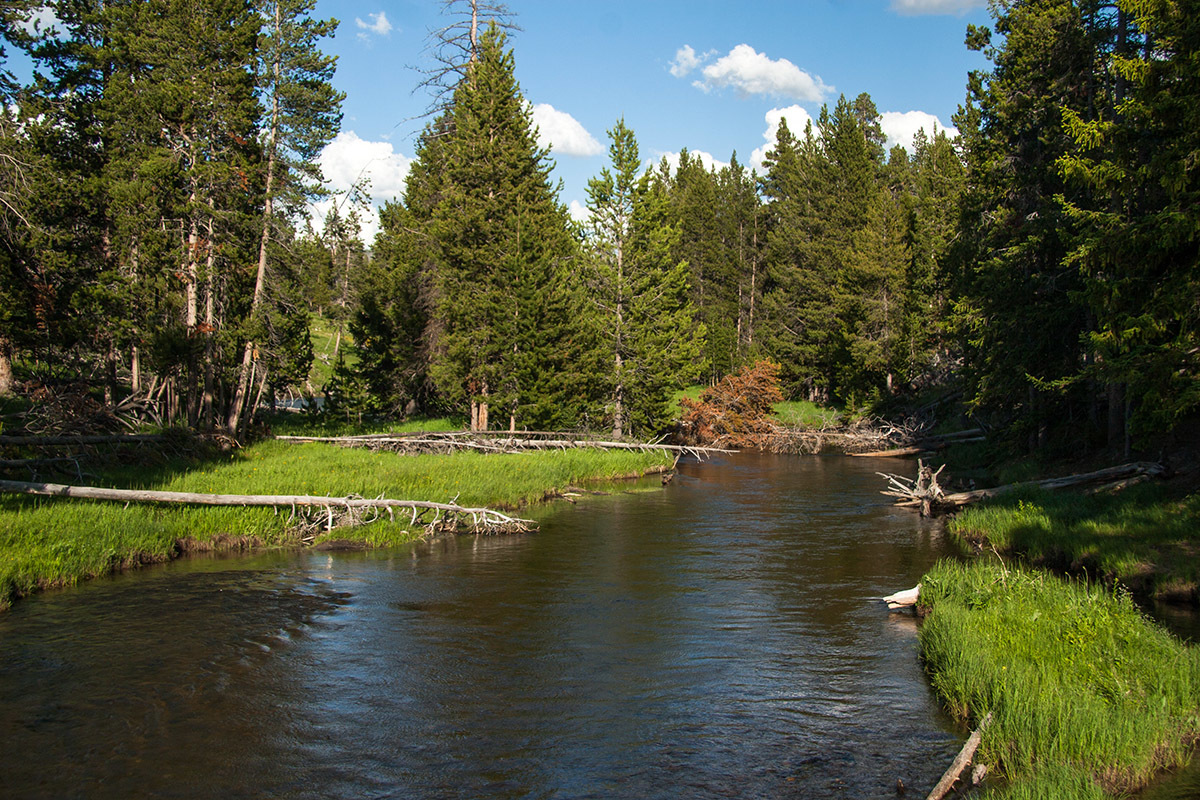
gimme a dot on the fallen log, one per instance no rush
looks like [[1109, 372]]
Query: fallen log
[[507, 444], [961, 761], [923, 490], [482, 519], [1109, 475]]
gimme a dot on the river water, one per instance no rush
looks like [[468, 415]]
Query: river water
[[713, 638]]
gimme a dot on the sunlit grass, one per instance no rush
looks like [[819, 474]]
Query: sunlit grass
[[805, 414], [1145, 537], [49, 542], [1088, 697]]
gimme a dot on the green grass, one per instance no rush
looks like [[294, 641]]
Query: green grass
[[47, 542], [286, 423], [805, 414], [1146, 537], [1089, 698], [324, 337]]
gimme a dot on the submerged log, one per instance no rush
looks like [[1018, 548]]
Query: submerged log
[[481, 518], [904, 599]]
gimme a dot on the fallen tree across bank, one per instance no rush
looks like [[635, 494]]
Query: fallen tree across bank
[[338, 511], [494, 443], [925, 492]]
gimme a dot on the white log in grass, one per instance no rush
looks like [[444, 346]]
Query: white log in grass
[[481, 518]]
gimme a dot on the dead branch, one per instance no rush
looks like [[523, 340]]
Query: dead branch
[[960, 761], [445, 514], [508, 443], [924, 489]]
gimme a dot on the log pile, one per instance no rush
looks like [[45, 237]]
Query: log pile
[[446, 442]]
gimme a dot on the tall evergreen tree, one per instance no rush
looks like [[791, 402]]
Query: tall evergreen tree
[[639, 290], [502, 246], [302, 115], [1018, 306]]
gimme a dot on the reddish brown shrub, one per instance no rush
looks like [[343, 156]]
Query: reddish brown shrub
[[736, 412]]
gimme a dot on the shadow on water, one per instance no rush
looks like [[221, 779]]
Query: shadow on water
[[716, 638]]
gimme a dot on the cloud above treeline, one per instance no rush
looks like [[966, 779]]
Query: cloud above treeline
[[562, 134], [749, 72], [346, 162], [900, 127], [797, 119], [916, 7]]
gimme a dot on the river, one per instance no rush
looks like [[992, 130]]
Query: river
[[713, 638]]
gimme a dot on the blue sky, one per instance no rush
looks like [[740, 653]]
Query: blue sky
[[704, 75], [707, 75]]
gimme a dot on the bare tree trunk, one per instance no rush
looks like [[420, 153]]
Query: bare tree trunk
[[260, 278], [6, 371], [483, 409], [135, 368]]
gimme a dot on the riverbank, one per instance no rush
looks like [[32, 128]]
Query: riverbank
[[50, 542], [1089, 699], [1145, 538]]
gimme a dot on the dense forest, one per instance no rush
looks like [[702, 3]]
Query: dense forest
[[1041, 265]]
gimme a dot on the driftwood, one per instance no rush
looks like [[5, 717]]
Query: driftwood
[[961, 761], [923, 490], [928, 444], [507, 443], [446, 515], [1110, 478]]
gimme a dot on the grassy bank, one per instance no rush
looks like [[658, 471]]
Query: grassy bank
[[1146, 537], [1089, 699], [47, 542]]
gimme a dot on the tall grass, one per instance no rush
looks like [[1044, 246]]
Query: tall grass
[[48, 542], [1088, 697], [1144, 536]]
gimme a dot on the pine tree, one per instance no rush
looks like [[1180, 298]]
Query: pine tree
[[1134, 203], [302, 116], [502, 243], [1018, 306], [639, 290]]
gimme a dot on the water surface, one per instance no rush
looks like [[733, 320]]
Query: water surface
[[714, 638]]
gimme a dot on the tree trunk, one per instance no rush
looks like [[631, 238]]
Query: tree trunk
[[260, 278], [6, 372]]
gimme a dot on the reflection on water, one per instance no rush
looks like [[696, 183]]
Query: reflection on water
[[713, 639]]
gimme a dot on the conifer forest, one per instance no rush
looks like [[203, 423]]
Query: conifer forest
[[1042, 265]]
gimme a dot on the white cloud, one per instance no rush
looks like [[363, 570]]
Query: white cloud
[[901, 126], [562, 133], [749, 72], [379, 25], [915, 7], [686, 60], [797, 119], [348, 159], [41, 21], [579, 212]]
